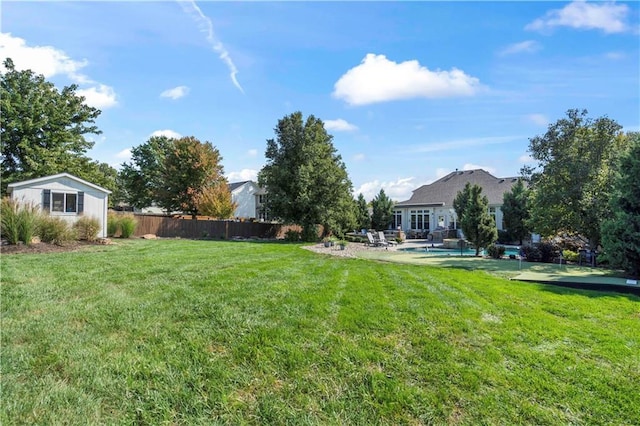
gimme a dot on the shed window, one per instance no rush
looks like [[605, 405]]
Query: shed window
[[63, 202]]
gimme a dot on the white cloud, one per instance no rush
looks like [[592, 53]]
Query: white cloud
[[99, 97], [206, 27], [538, 119], [242, 175], [339, 125], [378, 79], [359, 157], [526, 158], [49, 61], [527, 46], [125, 154], [168, 133], [398, 190], [608, 17], [175, 93], [252, 153], [45, 60], [470, 166]]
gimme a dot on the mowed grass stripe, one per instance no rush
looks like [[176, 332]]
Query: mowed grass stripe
[[201, 332]]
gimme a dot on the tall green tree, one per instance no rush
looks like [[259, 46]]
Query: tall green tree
[[382, 211], [42, 130], [474, 218], [516, 211], [571, 183], [621, 231], [305, 178], [142, 178], [362, 213]]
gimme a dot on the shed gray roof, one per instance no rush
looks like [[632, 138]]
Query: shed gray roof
[[40, 180], [443, 191]]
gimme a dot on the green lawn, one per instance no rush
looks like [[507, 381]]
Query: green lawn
[[202, 332]]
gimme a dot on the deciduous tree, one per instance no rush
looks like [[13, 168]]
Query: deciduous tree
[[189, 167], [142, 178], [171, 173], [474, 218], [305, 178], [216, 201], [571, 183], [42, 129]]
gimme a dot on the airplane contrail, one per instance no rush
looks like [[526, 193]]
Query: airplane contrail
[[206, 27]]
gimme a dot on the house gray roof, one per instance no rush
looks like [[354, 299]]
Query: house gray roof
[[234, 185], [443, 191]]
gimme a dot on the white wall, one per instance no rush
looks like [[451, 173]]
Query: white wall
[[245, 197]]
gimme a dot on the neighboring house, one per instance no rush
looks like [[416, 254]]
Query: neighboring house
[[65, 196], [431, 206], [249, 199]]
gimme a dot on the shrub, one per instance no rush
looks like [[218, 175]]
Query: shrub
[[55, 230], [548, 251], [570, 255], [292, 235], [495, 251], [309, 233], [113, 224], [28, 219], [128, 225], [9, 211], [87, 228], [532, 253], [19, 223]]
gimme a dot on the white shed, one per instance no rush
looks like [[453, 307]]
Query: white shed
[[65, 196]]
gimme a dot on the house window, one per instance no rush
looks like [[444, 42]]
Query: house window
[[492, 213], [397, 219], [420, 219], [62, 202]]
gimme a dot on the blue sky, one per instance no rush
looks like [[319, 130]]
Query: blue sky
[[410, 91]]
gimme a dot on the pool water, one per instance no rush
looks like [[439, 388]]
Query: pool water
[[436, 251]]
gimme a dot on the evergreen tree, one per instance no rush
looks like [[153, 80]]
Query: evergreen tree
[[382, 211], [516, 211], [362, 215], [305, 179], [474, 218], [621, 232]]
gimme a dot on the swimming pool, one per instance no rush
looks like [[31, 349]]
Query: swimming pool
[[437, 251]]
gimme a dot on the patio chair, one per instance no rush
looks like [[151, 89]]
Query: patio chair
[[371, 241], [383, 240]]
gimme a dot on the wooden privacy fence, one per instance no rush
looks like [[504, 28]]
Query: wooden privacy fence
[[204, 227]]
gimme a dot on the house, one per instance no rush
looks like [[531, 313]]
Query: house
[[249, 198], [431, 206], [65, 196]]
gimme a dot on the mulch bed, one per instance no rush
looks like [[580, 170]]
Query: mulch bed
[[37, 248]]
